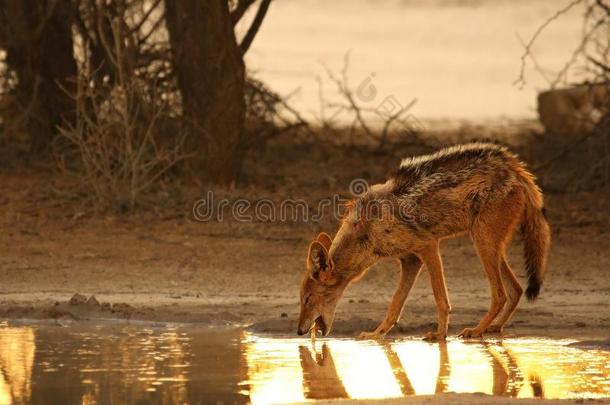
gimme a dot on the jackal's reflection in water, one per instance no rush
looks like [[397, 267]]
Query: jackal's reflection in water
[[163, 365], [321, 379], [520, 368]]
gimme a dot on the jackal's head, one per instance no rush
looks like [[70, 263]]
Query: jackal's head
[[368, 232], [329, 272], [320, 289]]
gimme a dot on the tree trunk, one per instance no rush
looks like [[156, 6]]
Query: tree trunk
[[39, 49], [210, 70]]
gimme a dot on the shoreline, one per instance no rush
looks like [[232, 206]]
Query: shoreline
[[137, 310]]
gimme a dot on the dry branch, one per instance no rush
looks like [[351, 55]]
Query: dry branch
[[359, 115], [528, 46], [240, 9], [255, 26]]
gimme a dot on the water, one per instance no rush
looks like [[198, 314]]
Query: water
[[458, 58], [113, 363]]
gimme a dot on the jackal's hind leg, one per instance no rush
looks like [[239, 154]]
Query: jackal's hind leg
[[514, 293], [491, 264], [490, 233], [409, 269]]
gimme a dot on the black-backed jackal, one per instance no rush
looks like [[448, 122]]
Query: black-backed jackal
[[478, 188]]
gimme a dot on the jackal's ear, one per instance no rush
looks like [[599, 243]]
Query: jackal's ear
[[324, 240], [319, 264]]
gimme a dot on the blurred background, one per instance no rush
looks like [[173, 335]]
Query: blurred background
[[460, 59], [130, 128], [125, 97]]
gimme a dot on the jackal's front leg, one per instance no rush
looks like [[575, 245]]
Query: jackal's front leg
[[432, 258], [409, 269]]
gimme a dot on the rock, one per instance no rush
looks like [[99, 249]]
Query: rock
[[568, 111], [78, 299], [93, 302]]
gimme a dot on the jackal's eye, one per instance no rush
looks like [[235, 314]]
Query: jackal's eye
[[306, 299]]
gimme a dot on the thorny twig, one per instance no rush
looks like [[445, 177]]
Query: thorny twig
[[352, 106], [521, 79]]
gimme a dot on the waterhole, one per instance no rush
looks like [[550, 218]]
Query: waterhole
[[128, 363]]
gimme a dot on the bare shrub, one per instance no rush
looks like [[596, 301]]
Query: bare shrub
[[377, 123], [123, 139]]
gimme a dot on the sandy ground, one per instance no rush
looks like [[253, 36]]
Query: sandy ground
[[179, 270]]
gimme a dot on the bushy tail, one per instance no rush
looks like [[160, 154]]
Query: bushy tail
[[536, 237]]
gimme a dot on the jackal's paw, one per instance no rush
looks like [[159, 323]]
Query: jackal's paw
[[471, 333], [494, 329], [435, 337], [369, 336]]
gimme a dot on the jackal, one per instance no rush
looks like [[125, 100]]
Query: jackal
[[478, 188]]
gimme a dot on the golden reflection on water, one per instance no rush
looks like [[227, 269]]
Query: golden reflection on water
[[144, 361], [124, 366], [182, 365], [290, 370], [17, 348]]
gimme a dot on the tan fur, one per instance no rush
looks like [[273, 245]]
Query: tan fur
[[480, 189]]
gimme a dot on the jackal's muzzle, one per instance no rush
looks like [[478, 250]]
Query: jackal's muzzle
[[318, 325]]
